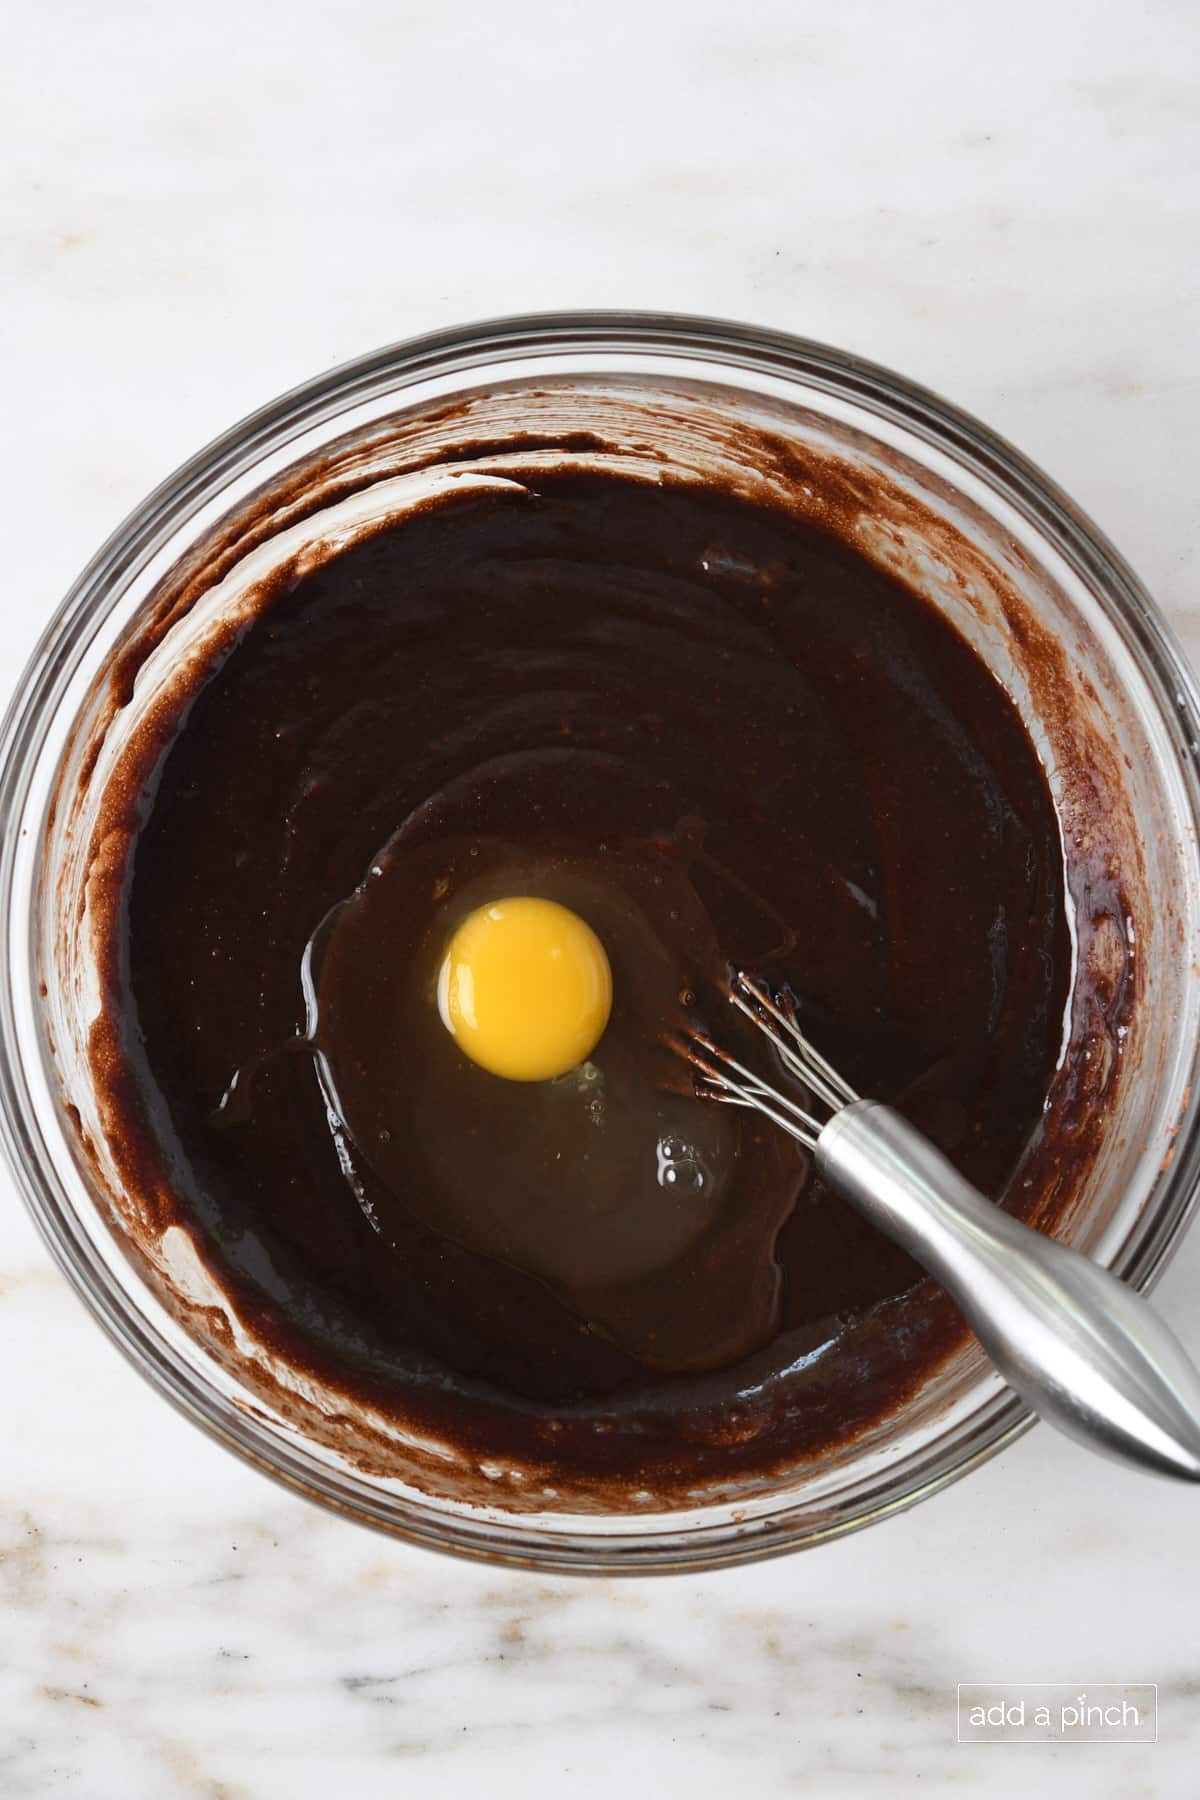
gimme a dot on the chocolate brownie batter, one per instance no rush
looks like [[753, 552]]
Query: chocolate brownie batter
[[720, 736]]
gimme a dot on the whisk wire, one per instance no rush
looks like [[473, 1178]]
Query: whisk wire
[[732, 1080], [804, 1059], [729, 1080], [800, 1055]]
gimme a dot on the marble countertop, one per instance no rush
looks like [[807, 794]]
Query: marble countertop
[[204, 205]]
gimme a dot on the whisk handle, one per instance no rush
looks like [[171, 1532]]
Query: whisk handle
[[1080, 1347]]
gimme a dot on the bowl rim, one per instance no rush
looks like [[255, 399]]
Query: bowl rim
[[456, 350]]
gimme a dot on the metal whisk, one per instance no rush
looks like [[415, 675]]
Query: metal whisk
[[1079, 1346]]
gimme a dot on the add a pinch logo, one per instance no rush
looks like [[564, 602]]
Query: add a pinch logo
[[1042, 1712]]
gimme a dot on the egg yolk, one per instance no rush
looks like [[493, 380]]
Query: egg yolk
[[525, 989]]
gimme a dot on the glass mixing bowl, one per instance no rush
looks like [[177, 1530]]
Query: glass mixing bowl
[[1047, 602]]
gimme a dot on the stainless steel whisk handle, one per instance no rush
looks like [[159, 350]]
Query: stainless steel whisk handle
[[1083, 1349]]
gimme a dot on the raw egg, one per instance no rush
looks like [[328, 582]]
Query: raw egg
[[525, 988]]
